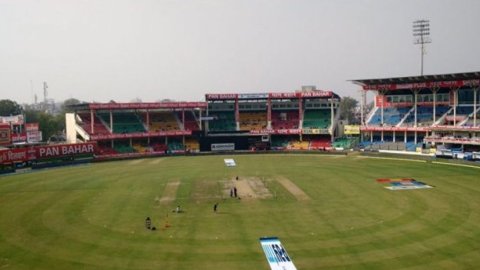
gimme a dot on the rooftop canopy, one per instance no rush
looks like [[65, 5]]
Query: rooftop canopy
[[440, 80]]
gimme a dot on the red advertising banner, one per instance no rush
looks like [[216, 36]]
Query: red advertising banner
[[429, 85], [375, 128], [277, 131], [5, 138], [60, 150], [221, 96], [8, 156], [283, 95], [316, 94], [151, 105], [31, 127], [19, 137], [141, 135]]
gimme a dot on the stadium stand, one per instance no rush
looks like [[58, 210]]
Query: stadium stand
[[98, 126], [391, 116], [285, 119], [299, 145], [320, 143], [192, 145], [123, 122], [190, 121], [163, 121], [345, 143], [316, 119], [253, 120], [279, 143], [174, 145], [425, 115], [223, 121]]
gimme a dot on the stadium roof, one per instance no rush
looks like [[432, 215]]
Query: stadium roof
[[465, 76]]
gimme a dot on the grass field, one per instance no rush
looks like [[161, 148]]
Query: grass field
[[328, 211]]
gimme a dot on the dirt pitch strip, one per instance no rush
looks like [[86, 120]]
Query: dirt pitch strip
[[170, 192], [156, 161], [248, 188], [293, 189], [136, 162]]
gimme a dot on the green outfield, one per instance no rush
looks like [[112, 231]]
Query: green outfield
[[328, 211]]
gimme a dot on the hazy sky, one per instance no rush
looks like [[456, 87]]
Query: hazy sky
[[181, 49]]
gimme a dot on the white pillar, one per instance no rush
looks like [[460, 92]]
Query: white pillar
[[454, 108], [394, 136], [381, 134], [434, 106], [405, 136], [415, 104], [475, 107]]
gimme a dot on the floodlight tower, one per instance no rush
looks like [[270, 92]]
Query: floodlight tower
[[421, 35]]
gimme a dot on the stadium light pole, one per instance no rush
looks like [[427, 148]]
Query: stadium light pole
[[421, 36]]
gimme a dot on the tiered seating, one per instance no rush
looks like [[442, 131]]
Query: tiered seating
[[175, 146], [299, 145], [320, 143], [284, 120], [192, 145], [462, 110], [253, 120], [163, 121], [425, 115], [124, 122], [122, 149], [141, 148], [98, 127], [190, 122], [106, 151], [223, 121], [279, 142], [345, 143], [316, 119], [391, 116], [159, 147]]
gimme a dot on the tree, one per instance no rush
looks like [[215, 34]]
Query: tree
[[348, 106], [49, 124], [9, 107], [69, 102]]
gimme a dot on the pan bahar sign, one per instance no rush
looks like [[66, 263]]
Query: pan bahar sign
[[60, 150]]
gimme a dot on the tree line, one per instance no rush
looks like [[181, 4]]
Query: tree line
[[50, 125]]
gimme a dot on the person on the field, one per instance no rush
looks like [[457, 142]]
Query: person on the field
[[231, 192], [235, 192], [148, 223], [215, 207], [177, 210]]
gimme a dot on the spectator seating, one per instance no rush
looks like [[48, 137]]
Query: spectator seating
[[98, 127], [285, 119], [124, 122], [316, 119], [163, 121], [345, 143], [223, 121], [190, 122], [391, 116], [175, 146], [253, 120], [122, 149], [192, 145], [299, 145], [279, 142], [425, 115], [320, 143]]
